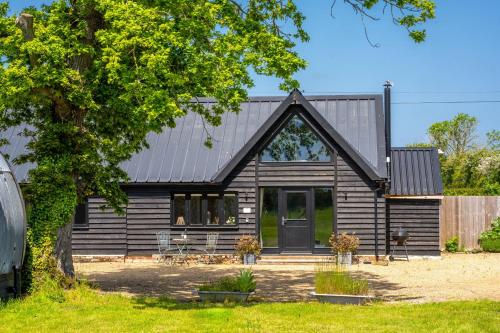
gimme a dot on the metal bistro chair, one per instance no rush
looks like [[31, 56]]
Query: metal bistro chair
[[211, 245], [164, 246]]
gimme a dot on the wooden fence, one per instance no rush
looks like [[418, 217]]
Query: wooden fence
[[467, 217]]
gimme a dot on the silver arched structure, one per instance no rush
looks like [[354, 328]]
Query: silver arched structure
[[12, 228]]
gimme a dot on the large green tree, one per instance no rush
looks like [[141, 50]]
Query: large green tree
[[466, 167], [90, 78], [455, 136]]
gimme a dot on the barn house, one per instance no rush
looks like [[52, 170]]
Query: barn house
[[290, 170]]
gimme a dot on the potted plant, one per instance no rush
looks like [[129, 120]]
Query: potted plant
[[335, 285], [344, 245], [248, 248], [232, 289]]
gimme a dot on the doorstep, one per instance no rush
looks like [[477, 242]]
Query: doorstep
[[286, 259]]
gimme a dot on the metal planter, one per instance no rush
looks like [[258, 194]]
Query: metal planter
[[249, 259], [343, 299]]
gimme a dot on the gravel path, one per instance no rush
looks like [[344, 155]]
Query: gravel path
[[454, 277]]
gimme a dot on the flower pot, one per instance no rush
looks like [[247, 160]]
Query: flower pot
[[344, 259], [249, 259]]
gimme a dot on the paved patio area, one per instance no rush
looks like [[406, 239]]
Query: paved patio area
[[454, 277]]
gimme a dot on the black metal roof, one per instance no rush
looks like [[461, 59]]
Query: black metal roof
[[178, 155], [415, 171]]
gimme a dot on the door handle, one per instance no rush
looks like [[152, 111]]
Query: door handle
[[283, 220]]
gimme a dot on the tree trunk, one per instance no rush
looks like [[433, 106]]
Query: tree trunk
[[63, 250]]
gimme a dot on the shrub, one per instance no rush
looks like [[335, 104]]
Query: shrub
[[247, 245], [344, 243], [451, 245], [244, 283], [338, 281], [490, 239]]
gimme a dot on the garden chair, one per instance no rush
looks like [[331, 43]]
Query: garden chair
[[164, 246], [211, 245]]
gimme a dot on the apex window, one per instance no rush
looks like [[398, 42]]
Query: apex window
[[296, 142]]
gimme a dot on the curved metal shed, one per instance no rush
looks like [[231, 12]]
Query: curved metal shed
[[12, 221]]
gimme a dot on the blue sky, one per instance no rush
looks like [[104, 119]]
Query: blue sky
[[460, 61]]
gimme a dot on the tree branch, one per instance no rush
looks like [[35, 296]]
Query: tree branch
[[25, 22]]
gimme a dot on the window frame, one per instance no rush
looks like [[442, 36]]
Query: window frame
[[204, 209]]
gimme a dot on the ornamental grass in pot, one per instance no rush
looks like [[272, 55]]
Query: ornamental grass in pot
[[248, 248], [229, 288], [333, 284], [344, 246]]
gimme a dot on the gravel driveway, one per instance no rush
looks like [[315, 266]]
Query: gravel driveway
[[454, 277]]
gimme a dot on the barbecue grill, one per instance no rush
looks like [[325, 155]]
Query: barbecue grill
[[400, 237]]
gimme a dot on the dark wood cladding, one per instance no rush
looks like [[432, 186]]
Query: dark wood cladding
[[148, 211], [301, 174], [106, 233], [356, 207], [421, 219]]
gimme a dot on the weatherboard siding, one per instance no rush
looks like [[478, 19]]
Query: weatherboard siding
[[421, 219], [106, 233], [296, 174], [356, 207]]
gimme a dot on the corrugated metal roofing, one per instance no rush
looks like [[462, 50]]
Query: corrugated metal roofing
[[17, 146], [12, 221], [415, 171], [178, 155]]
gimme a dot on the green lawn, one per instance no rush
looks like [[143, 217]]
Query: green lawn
[[85, 310]]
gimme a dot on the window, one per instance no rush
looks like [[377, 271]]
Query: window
[[323, 216], [81, 219], [205, 209], [269, 217], [296, 143]]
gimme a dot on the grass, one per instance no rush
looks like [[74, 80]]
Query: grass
[[337, 281], [323, 228], [85, 310]]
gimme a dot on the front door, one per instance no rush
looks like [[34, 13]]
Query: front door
[[295, 217]]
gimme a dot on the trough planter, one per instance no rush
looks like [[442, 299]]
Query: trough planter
[[343, 299], [223, 296]]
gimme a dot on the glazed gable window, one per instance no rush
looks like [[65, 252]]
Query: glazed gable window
[[204, 209], [296, 142]]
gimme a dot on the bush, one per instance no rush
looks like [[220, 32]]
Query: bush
[[337, 281], [452, 245], [243, 283], [344, 243], [490, 240], [247, 245], [491, 245]]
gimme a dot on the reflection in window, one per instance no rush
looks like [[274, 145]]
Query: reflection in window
[[213, 209], [296, 142], [323, 216], [296, 206], [195, 209], [202, 209], [179, 209], [269, 217], [230, 208]]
